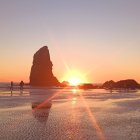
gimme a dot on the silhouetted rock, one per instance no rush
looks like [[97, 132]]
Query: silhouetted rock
[[109, 84], [124, 84], [86, 86], [41, 71], [65, 84], [127, 84]]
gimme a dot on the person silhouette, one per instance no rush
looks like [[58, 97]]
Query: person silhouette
[[21, 85], [11, 87]]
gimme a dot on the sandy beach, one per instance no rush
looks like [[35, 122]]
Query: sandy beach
[[69, 114]]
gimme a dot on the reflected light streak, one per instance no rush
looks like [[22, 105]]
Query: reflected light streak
[[93, 119], [47, 100]]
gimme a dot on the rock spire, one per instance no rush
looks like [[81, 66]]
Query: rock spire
[[41, 70]]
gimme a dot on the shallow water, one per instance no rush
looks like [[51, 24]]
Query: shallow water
[[69, 114]]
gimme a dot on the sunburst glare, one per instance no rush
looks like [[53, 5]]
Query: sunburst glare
[[74, 77]]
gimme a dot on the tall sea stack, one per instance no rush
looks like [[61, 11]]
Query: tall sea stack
[[41, 71]]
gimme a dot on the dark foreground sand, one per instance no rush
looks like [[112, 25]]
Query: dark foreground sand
[[64, 114]]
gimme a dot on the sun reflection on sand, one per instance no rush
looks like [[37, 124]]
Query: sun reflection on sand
[[74, 100], [95, 123], [93, 120], [74, 91]]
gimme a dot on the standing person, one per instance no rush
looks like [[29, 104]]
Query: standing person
[[11, 87], [21, 85]]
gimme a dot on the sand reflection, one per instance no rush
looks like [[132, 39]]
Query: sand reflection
[[41, 104], [74, 101], [42, 113]]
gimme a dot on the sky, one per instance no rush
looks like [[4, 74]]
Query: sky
[[97, 39]]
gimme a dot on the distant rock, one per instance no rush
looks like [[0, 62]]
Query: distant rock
[[124, 84], [86, 86], [128, 84], [65, 84], [41, 70], [109, 84]]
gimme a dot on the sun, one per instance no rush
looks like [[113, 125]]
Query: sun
[[74, 77], [74, 81]]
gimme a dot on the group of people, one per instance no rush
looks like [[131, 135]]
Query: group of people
[[21, 84]]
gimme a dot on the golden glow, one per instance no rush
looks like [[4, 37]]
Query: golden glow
[[74, 81], [74, 91], [74, 77]]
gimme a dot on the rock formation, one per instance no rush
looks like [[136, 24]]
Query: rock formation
[[124, 84], [109, 84], [86, 86], [41, 71], [128, 84], [65, 84]]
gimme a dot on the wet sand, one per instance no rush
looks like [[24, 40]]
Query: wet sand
[[69, 114]]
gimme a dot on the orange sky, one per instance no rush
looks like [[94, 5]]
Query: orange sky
[[98, 40]]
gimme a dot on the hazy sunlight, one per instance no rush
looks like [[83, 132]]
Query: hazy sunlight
[[74, 81], [74, 77]]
